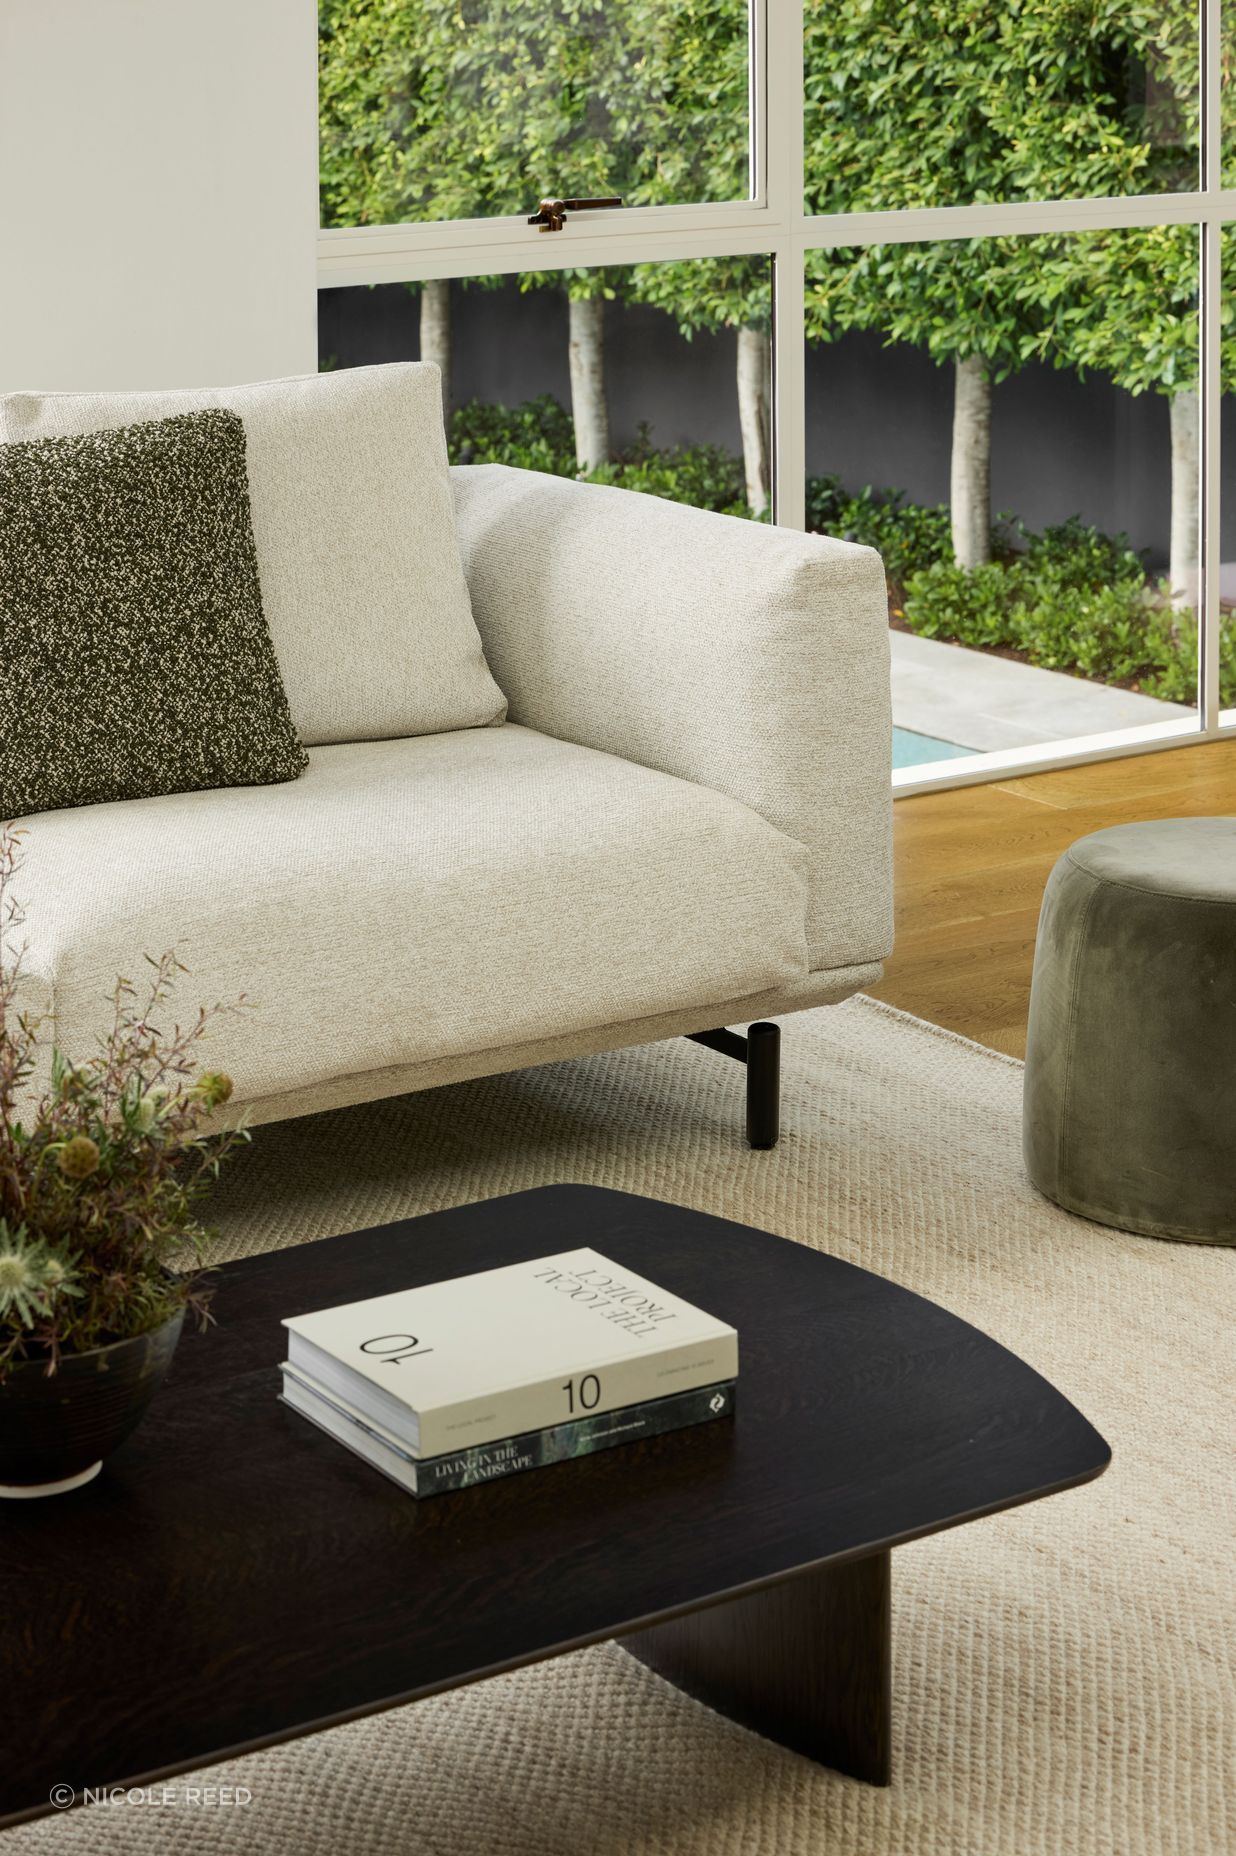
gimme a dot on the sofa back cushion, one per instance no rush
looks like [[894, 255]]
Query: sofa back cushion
[[354, 527], [135, 656]]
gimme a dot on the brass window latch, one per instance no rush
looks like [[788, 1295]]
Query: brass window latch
[[550, 215]]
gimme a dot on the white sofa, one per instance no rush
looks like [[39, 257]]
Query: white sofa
[[682, 820]]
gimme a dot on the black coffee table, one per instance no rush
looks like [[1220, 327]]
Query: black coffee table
[[235, 1578]]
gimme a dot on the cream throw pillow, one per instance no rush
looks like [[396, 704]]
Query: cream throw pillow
[[354, 526]]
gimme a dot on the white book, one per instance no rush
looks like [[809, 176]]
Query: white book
[[521, 1348], [463, 1469], [381, 1453]]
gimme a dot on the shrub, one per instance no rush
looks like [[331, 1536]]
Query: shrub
[[539, 435], [706, 476], [1075, 600], [908, 536], [535, 436]]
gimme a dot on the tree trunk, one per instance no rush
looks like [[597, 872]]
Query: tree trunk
[[754, 414], [436, 333], [970, 489], [1186, 440], [588, 405]]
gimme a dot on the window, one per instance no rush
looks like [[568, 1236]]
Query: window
[[476, 109], [945, 278], [654, 376]]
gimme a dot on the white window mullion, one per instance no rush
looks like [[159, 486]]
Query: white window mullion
[[789, 390], [1210, 388], [911, 225], [412, 254], [1211, 370], [782, 191], [784, 195]]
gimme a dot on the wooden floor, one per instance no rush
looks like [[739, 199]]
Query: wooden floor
[[972, 862]]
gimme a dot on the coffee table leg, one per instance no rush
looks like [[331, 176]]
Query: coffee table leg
[[806, 1662]]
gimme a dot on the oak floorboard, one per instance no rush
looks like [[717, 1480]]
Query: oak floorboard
[[971, 864]]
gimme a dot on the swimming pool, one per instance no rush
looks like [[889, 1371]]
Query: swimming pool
[[914, 750]]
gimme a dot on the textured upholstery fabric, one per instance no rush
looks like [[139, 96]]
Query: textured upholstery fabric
[[827, 988], [1130, 1098], [134, 655], [361, 579], [413, 899], [752, 660]]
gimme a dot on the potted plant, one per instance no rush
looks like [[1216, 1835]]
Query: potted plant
[[99, 1175]]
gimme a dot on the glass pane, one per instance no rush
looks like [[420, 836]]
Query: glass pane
[[948, 102], [1013, 423], [431, 110], [655, 376], [1227, 483]]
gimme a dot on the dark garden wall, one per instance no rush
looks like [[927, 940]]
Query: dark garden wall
[[875, 415]]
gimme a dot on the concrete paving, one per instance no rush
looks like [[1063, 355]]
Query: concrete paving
[[984, 702]]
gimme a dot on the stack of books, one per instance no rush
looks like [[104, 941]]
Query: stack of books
[[461, 1382]]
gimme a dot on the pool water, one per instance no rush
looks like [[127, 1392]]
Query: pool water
[[913, 750]]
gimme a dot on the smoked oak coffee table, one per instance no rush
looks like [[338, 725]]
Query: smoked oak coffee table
[[234, 1578]]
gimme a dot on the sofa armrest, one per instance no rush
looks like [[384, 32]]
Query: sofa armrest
[[750, 659]]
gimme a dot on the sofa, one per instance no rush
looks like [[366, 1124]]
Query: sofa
[[660, 805]]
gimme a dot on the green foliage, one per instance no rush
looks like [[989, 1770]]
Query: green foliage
[[98, 1187], [539, 436], [705, 476], [949, 102], [1072, 599], [708, 293], [434, 109], [946, 102], [907, 535], [446, 109]]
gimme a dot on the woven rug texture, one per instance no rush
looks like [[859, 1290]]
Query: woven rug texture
[[1063, 1674]]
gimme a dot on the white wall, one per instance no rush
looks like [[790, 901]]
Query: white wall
[[158, 192]]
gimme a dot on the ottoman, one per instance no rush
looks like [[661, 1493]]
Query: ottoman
[[1130, 1089]]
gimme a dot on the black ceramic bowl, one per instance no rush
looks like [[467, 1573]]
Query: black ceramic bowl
[[57, 1428]]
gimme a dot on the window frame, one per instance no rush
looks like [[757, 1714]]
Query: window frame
[[773, 223]]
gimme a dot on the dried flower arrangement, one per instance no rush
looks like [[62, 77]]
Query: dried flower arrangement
[[98, 1184]]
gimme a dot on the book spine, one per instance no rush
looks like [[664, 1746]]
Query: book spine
[[582, 1437], [567, 1396]]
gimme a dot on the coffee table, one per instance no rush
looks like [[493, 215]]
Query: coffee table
[[235, 1578]]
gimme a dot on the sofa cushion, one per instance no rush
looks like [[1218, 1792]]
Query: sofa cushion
[[136, 658], [355, 532], [412, 899]]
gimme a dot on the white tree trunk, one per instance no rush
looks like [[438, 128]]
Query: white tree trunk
[[970, 489], [436, 333], [589, 409], [1186, 441], [754, 414]]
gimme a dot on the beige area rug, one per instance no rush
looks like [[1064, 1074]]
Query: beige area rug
[[1063, 1674]]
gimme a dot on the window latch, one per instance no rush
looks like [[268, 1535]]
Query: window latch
[[551, 215]]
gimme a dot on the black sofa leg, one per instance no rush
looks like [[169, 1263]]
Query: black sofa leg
[[763, 1085], [760, 1050]]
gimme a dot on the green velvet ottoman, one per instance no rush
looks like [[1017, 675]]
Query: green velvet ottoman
[[1130, 1095]]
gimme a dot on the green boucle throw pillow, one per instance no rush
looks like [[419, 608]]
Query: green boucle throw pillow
[[134, 653]]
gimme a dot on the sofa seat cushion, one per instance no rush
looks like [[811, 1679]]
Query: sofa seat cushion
[[354, 526], [412, 899]]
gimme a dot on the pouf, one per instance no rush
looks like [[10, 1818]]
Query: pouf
[[1130, 1083]]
